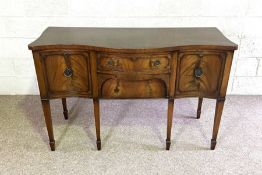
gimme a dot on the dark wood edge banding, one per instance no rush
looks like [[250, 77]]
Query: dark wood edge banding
[[148, 50]]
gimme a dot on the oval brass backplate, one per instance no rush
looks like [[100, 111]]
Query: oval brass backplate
[[198, 72], [68, 72]]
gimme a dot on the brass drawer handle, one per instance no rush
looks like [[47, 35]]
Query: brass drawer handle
[[113, 64], [68, 72], [198, 72], [155, 63], [110, 62]]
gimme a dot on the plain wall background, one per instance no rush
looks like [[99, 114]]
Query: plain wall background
[[22, 21]]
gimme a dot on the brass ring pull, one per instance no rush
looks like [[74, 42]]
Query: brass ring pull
[[155, 63], [111, 63], [198, 72], [68, 72]]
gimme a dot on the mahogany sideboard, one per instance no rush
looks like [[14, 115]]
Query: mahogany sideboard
[[132, 63]]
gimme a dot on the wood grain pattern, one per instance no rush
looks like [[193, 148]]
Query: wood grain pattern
[[221, 99], [54, 65], [133, 85], [93, 70], [151, 63], [132, 40], [115, 88], [226, 73], [40, 75], [173, 74], [129, 63], [207, 85]]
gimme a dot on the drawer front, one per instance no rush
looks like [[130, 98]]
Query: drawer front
[[200, 73], [152, 63], [120, 88], [66, 73]]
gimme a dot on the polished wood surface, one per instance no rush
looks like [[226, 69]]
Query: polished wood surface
[[207, 84], [114, 88], [133, 85], [48, 121], [217, 119], [169, 122], [147, 63], [130, 39], [132, 63], [56, 63], [97, 122]]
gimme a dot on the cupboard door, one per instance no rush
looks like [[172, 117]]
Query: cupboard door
[[200, 73], [67, 73]]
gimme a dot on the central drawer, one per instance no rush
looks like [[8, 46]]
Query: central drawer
[[147, 63], [134, 75]]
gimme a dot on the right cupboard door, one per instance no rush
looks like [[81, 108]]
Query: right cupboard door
[[199, 73]]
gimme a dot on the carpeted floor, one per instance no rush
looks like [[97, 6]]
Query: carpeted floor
[[133, 137]]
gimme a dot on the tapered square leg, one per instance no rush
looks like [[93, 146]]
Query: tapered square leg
[[48, 121], [217, 119], [169, 122], [200, 100], [65, 111], [97, 123]]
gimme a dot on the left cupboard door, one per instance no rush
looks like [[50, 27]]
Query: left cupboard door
[[66, 73]]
